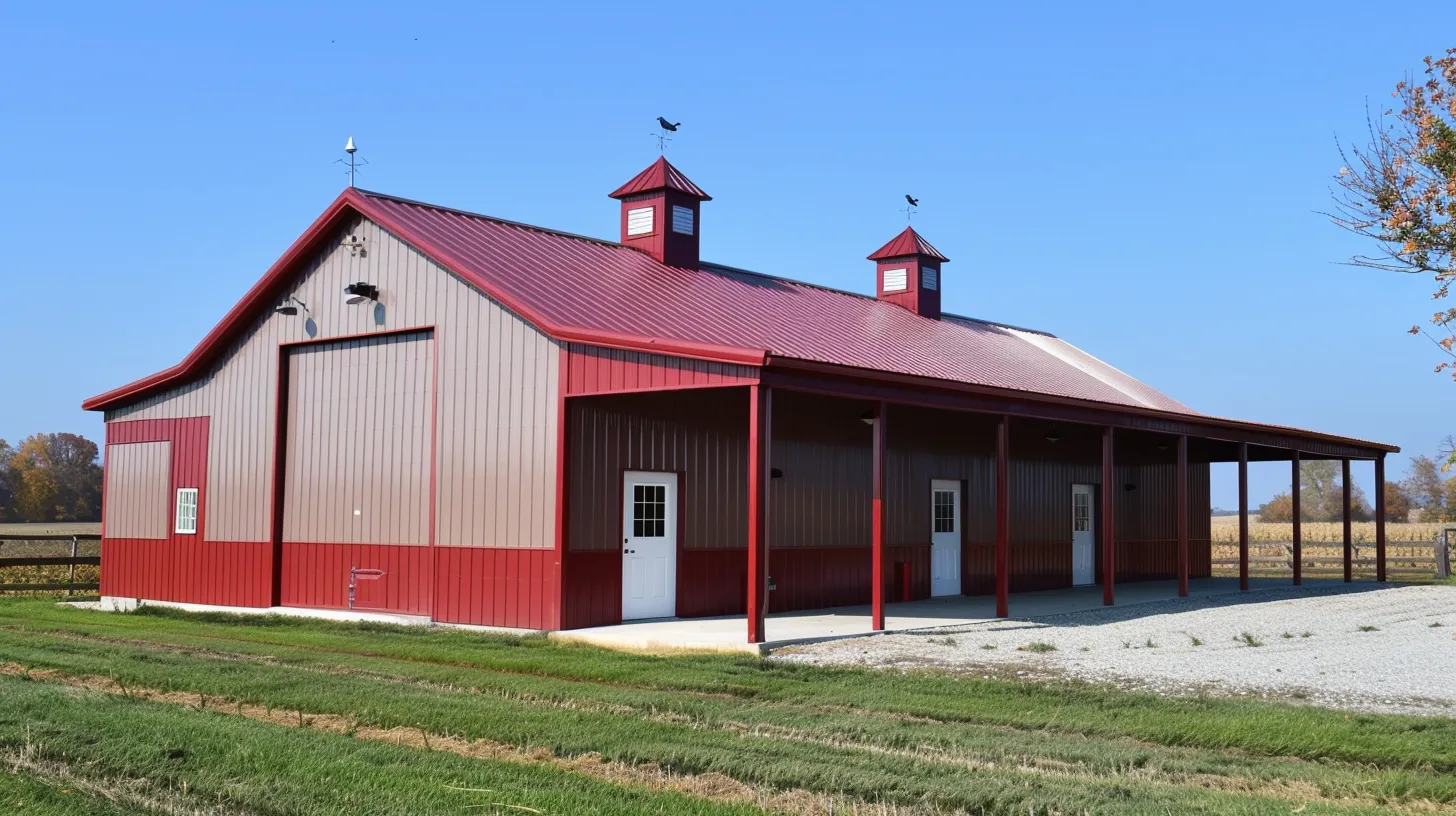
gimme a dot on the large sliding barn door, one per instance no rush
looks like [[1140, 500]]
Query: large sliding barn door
[[356, 470]]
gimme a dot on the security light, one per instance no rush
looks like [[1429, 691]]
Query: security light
[[360, 292], [775, 473], [868, 417], [290, 306]]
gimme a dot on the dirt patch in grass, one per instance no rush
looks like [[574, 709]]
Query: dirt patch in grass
[[715, 787], [711, 786]]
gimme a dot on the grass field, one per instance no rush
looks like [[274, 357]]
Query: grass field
[[162, 712]]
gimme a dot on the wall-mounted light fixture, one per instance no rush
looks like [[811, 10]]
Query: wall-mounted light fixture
[[1129, 487], [360, 292], [775, 473], [290, 306], [868, 417], [1054, 436]]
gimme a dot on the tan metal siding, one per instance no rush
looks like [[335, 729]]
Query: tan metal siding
[[138, 490], [496, 408], [358, 451]]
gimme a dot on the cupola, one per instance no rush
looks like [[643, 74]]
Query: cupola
[[660, 214], [907, 273]]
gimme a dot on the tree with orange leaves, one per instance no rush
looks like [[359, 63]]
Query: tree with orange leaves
[[1400, 191]]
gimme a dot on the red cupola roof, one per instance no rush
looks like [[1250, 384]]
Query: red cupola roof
[[661, 175], [905, 244]]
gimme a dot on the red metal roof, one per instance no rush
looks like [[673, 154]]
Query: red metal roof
[[588, 290], [660, 175], [907, 243]]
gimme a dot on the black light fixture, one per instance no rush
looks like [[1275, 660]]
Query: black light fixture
[[775, 473], [290, 306], [1053, 436], [1129, 487], [360, 292], [868, 417]]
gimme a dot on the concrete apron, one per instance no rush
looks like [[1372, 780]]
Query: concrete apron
[[729, 633]]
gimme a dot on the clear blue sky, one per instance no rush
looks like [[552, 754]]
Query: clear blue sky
[[1141, 180]]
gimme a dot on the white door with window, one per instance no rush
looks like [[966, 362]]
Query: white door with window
[[945, 537], [1084, 539], [649, 545]]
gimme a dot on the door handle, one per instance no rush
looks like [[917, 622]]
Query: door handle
[[629, 552]]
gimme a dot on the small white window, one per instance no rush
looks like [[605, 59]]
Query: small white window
[[929, 277], [894, 280], [639, 221], [186, 510], [682, 220]]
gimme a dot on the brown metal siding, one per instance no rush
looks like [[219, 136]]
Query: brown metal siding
[[822, 447], [701, 434], [356, 469], [138, 490], [496, 409]]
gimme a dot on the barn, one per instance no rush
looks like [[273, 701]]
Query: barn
[[429, 412]]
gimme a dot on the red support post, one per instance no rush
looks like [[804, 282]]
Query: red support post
[[1243, 515], [1294, 494], [1109, 528], [760, 411], [1380, 517], [1003, 516], [1183, 515], [1349, 541], [877, 535]]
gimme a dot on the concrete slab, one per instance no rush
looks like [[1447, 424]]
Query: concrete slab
[[729, 633]]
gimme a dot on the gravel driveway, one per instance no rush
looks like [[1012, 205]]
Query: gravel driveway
[[1362, 648]]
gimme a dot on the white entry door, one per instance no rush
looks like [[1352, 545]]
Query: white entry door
[[1084, 540], [945, 537], [649, 545]]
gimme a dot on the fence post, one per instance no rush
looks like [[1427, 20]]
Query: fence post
[[1443, 554], [71, 589]]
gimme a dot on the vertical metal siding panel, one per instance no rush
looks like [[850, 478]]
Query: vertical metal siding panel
[[138, 490], [476, 506]]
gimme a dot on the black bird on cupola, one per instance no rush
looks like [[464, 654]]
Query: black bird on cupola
[[914, 202], [666, 125]]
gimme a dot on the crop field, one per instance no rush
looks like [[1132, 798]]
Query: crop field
[[158, 711], [11, 547], [1409, 549]]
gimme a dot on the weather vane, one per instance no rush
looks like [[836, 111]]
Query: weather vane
[[910, 205], [661, 136], [353, 162]]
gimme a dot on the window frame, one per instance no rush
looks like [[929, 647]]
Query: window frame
[[651, 218], [177, 507]]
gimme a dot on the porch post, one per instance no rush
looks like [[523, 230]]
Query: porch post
[[1345, 477], [1003, 516], [1183, 515], [877, 520], [1380, 517], [760, 412], [1243, 515], [1109, 528], [1294, 492]]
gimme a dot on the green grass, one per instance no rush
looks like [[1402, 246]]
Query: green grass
[[199, 759], [31, 796], [925, 739]]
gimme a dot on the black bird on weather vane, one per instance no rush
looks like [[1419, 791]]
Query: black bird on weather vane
[[670, 127], [914, 202]]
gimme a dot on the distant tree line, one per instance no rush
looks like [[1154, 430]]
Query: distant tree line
[[1423, 495], [50, 477]]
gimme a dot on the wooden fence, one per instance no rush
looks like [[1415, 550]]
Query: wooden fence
[[50, 557], [1404, 560]]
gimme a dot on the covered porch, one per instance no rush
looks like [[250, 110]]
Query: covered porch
[[794, 504]]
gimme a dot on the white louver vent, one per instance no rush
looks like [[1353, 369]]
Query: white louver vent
[[639, 221], [895, 280], [929, 277], [682, 220]]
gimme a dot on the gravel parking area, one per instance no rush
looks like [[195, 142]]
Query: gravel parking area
[[1363, 648]]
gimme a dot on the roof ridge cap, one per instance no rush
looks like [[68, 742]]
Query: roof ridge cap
[[495, 218]]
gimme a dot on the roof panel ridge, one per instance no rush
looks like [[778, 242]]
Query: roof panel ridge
[[492, 218]]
